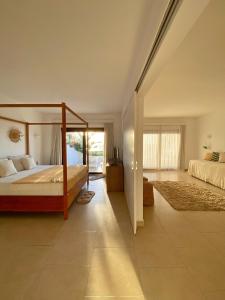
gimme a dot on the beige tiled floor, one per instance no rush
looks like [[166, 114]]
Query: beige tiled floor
[[94, 255], [199, 242]]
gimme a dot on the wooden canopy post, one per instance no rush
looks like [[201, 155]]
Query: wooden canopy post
[[64, 157], [27, 138], [87, 151]]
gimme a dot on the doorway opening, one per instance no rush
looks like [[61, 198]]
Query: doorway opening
[[77, 148]]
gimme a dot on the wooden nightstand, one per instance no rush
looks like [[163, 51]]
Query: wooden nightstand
[[114, 178]]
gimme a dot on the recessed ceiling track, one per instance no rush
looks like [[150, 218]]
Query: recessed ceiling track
[[166, 21]]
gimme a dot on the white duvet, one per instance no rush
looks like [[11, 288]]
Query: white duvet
[[7, 188], [209, 171]]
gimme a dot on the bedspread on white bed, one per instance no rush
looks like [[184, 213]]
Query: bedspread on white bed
[[7, 188], [209, 171]]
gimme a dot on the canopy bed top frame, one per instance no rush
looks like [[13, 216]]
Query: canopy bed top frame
[[64, 109]]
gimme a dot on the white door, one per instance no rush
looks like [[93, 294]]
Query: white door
[[132, 155]]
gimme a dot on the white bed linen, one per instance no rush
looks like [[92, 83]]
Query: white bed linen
[[208, 171], [7, 188]]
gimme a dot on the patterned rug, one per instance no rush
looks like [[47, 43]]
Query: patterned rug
[[189, 196], [85, 197]]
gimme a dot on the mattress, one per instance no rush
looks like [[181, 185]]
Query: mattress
[[208, 171], [8, 185]]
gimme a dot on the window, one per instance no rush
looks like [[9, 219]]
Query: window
[[161, 149]]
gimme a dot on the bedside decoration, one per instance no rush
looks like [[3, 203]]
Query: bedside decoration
[[15, 135]]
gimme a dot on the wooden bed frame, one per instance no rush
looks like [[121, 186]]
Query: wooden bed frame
[[55, 203]]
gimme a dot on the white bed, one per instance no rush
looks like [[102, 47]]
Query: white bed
[[9, 187], [208, 171]]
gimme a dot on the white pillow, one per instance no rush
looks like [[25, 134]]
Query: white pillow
[[222, 157], [17, 161], [7, 168], [28, 163], [18, 164]]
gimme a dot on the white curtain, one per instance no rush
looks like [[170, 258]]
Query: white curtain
[[151, 150], [163, 148], [56, 154], [182, 147], [109, 143]]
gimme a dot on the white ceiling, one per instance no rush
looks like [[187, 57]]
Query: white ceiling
[[80, 51], [193, 81]]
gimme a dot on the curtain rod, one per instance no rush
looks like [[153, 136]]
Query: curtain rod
[[166, 21]]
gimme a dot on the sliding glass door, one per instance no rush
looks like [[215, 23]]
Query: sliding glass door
[[96, 151], [76, 148], [161, 149], [75, 142]]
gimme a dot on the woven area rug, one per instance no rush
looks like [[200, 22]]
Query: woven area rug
[[85, 197], [188, 196]]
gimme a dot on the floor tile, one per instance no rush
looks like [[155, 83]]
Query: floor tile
[[155, 250], [169, 284], [209, 276], [12, 290], [70, 253], [195, 255], [203, 222], [58, 282], [217, 295], [113, 273], [114, 298], [217, 240], [159, 257], [22, 262], [113, 281], [188, 239], [115, 237]]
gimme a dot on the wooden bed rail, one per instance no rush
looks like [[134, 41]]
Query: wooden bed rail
[[13, 120], [76, 115], [56, 123], [83, 122], [30, 105]]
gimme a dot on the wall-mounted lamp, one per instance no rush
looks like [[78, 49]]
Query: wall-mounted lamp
[[207, 144]]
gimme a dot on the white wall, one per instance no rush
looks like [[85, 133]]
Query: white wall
[[191, 142], [95, 120], [9, 148], [211, 131], [128, 120], [132, 120]]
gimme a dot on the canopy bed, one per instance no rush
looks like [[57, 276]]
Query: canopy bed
[[45, 188]]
